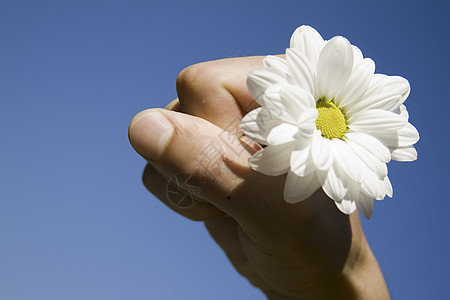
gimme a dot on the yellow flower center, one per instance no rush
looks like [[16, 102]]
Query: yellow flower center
[[331, 121]]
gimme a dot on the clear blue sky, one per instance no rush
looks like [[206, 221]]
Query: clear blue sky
[[75, 220]]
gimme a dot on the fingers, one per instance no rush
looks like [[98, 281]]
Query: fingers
[[210, 168], [225, 231], [190, 147], [174, 105], [216, 91], [171, 193]]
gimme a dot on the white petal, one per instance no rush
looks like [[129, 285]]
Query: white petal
[[262, 78], [272, 160], [398, 85], [309, 41], [283, 133], [272, 101], [370, 183], [405, 136], [332, 184], [357, 55], [394, 91], [376, 85], [375, 120], [307, 122], [408, 135], [378, 101], [282, 102], [302, 73], [402, 111], [346, 159], [297, 188], [353, 191], [404, 154], [382, 189], [320, 152], [277, 63], [346, 206], [370, 160], [365, 203], [334, 67], [357, 83], [388, 187], [258, 123], [301, 163], [296, 100], [371, 144]]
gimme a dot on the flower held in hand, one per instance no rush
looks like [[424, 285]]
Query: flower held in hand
[[328, 121]]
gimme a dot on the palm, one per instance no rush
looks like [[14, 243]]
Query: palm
[[277, 245]]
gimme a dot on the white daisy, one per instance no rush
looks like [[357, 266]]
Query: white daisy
[[328, 121]]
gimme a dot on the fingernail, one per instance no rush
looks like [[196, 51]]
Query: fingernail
[[149, 135]]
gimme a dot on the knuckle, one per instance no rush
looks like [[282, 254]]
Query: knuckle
[[196, 77]]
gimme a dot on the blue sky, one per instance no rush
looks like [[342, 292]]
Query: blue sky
[[75, 220]]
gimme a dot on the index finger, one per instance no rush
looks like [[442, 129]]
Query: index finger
[[217, 92]]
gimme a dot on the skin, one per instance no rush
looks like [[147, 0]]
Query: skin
[[307, 250]]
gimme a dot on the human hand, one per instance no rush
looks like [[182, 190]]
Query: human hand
[[308, 250]]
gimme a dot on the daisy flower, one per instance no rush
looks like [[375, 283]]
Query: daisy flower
[[328, 121]]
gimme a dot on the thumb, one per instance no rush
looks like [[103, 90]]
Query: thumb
[[178, 144]]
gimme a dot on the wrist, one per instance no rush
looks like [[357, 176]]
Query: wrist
[[361, 273], [359, 278]]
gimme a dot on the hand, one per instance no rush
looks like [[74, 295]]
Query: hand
[[308, 250]]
